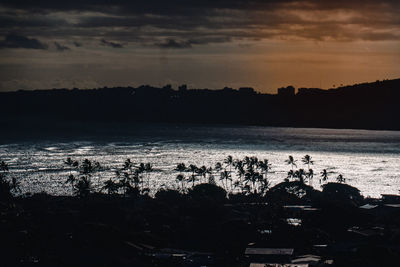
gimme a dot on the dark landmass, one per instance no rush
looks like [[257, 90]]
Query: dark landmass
[[361, 106], [203, 227], [198, 223]]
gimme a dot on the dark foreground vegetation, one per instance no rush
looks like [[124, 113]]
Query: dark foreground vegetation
[[200, 223], [367, 106]]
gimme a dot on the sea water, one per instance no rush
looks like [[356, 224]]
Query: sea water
[[368, 160]]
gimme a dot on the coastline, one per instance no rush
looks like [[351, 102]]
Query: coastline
[[201, 227]]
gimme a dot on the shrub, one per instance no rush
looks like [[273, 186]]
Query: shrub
[[342, 194], [208, 192]]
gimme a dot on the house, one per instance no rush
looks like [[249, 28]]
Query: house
[[276, 255]]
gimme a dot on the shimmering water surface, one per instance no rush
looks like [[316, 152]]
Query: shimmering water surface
[[369, 160]]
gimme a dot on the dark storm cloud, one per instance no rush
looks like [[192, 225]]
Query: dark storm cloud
[[28, 20], [60, 47], [171, 43], [18, 41], [184, 24], [111, 44]]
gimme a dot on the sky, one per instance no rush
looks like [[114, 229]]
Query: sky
[[263, 44]]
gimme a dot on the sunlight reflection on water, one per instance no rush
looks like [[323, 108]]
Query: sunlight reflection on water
[[368, 160]]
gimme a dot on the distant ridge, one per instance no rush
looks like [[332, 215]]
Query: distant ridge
[[387, 83], [363, 106]]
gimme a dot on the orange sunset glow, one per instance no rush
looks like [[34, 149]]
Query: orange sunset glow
[[262, 44]]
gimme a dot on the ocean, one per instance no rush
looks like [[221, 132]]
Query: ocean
[[369, 160]]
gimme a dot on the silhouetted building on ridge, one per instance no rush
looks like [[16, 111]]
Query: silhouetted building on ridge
[[247, 90], [167, 87], [286, 91], [182, 88], [310, 91]]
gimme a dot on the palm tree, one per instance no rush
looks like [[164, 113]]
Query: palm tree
[[192, 178], [253, 177], [264, 186], [180, 167], [310, 175], [240, 170], [141, 167], [69, 162], [307, 160], [211, 179], [181, 179], [238, 184], [193, 168], [225, 175], [136, 179], [324, 176], [253, 161], [128, 164], [110, 186], [202, 171], [264, 166], [300, 175], [124, 181], [290, 174], [83, 187], [229, 162], [340, 179], [148, 169], [15, 185], [137, 174], [3, 168], [246, 160], [218, 167], [71, 180], [87, 167], [291, 161]]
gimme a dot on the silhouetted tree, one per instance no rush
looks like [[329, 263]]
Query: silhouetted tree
[[225, 176], [181, 179], [340, 179], [290, 174], [291, 161], [264, 166], [211, 179], [229, 162], [148, 169], [3, 166], [310, 175], [218, 167], [202, 171], [5, 186], [299, 174], [193, 169], [83, 186], [324, 176], [181, 167], [307, 160], [71, 180], [128, 165], [110, 186]]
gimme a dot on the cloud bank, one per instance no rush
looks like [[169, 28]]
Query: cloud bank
[[184, 24]]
